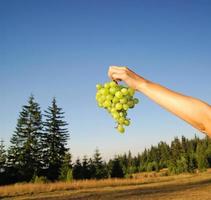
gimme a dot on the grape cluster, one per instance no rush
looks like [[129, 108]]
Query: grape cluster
[[117, 99]]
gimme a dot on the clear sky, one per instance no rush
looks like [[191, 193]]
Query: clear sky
[[63, 48]]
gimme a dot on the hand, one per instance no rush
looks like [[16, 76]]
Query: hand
[[117, 73]]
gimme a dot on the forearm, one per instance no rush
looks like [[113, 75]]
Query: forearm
[[194, 111]]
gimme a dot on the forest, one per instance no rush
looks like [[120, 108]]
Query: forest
[[38, 152]]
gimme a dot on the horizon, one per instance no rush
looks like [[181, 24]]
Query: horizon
[[64, 49]]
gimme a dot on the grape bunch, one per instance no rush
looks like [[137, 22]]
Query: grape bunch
[[117, 99]]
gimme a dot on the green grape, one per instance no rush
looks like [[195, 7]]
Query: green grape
[[115, 100], [106, 85], [121, 129], [112, 84], [118, 106], [107, 103], [113, 109], [109, 97], [102, 91], [124, 91], [118, 94], [121, 120], [125, 106], [121, 114], [102, 99], [131, 91], [115, 115], [136, 101], [98, 86], [130, 103], [127, 122], [123, 100], [100, 105], [112, 90]]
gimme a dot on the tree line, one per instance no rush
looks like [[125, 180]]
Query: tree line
[[38, 152]]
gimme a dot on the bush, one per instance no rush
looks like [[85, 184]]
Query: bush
[[40, 179]]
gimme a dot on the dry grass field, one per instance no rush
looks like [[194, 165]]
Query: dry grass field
[[145, 186]]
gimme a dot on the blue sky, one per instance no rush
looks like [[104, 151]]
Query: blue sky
[[63, 48]]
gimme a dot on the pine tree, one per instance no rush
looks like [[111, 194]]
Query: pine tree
[[66, 168], [91, 168], [85, 168], [208, 151], [176, 150], [201, 156], [2, 156], [77, 170], [116, 169], [164, 154], [54, 140], [100, 166], [144, 159], [24, 155]]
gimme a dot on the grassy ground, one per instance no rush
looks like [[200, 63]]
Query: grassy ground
[[142, 187]]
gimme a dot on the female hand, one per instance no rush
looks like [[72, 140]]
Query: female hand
[[132, 79]]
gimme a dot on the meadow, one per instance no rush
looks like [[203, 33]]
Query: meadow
[[144, 186]]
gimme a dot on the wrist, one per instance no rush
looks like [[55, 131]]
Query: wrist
[[142, 84]]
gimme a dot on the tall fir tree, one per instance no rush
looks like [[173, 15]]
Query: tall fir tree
[[176, 150], [164, 154], [24, 154], [201, 156], [66, 168], [2, 157], [54, 140], [116, 169], [100, 166], [77, 170], [85, 168]]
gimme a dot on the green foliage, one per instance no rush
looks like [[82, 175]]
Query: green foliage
[[201, 156], [24, 154], [54, 140], [2, 157], [77, 170], [116, 169], [40, 156], [66, 168], [100, 166], [40, 179], [182, 165]]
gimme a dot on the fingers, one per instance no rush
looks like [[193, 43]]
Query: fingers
[[116, 77], [116, 73]]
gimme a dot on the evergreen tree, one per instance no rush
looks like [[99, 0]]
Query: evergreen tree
[[116, 169], [54, 140], [66, 168], [176, 150], [208, 151], [137, 163], [100, 166], [164, 154], [3, 157], [24, 155], [91, 168], [85, 168], [153, 159], [201, 156], [77, 170], [143, 160]]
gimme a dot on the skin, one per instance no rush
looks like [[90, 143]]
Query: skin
[[192, 110]]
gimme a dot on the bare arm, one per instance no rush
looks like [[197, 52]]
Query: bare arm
[[192, 110]]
